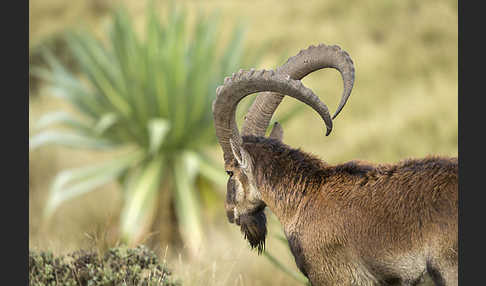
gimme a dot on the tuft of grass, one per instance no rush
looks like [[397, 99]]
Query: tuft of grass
[[118, 266]]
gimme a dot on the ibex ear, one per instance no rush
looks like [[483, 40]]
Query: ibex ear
[[277, 132], [242, 156]]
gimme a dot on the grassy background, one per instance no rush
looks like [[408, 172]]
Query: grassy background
[[404, 104]]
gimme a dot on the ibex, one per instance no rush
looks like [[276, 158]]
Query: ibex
[[349, 224]]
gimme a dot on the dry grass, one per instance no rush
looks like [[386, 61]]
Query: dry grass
[[404, 104]]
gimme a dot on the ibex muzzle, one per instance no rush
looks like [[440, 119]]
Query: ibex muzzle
[[350, 224]]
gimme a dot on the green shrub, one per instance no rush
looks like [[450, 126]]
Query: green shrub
[[118, 266], [150, 97]]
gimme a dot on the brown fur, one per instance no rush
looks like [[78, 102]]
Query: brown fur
[[357, 223]]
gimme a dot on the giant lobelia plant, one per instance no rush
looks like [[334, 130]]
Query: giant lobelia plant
[[151, 98]]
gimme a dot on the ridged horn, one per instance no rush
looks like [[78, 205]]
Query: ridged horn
[[297, 67], [245, 83]]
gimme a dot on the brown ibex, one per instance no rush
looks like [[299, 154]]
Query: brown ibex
[[348, 224]]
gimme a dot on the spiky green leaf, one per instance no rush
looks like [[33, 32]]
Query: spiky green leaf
[[158, 129], [295, 275], [141, 200], [187, 203], [62, 118], [72, 183], [73, 140]]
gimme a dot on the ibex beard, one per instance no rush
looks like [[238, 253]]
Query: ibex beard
[[254, 228], [252, 222]]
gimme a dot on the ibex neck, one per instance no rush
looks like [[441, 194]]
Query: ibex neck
[[287, 178]]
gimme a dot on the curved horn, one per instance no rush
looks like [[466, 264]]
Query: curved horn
[[245, 83], [297, 67]]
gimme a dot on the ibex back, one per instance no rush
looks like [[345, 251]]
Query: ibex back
[[350, 224]]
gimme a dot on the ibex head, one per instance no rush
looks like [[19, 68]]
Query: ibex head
[[244, 205]]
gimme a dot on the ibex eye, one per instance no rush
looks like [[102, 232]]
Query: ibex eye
[[230, 173]]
